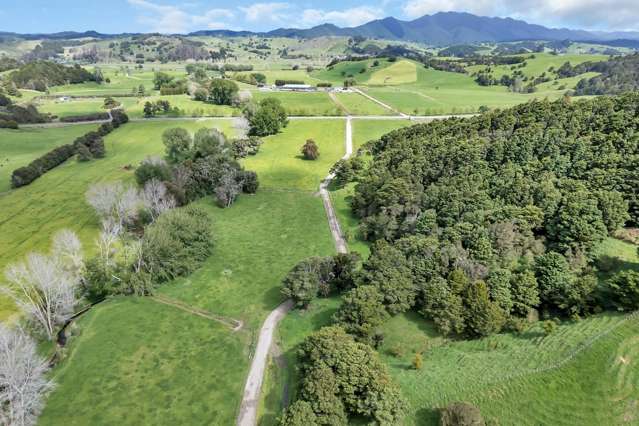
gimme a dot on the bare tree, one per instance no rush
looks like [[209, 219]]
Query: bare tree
[[23, 383], [241, 126], [67, 249], [110, 233], [45, 287], [113, 200], [228, 187], [156, 198]]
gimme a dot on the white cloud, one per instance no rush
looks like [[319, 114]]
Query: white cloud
[[418, 8], [171, 19], [265, 12], [586, 14], [349, 17]]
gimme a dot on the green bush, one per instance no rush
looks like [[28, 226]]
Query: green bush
[[177, 243]]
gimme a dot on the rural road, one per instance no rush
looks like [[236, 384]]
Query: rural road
[[253, 387], [291, 117]]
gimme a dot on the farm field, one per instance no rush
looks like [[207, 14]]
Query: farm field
[[19, 147], [298, 103], [56, 200], [361, 71], [257, 241], [541, 63], [187, 106], [357, 104], [400, 72]]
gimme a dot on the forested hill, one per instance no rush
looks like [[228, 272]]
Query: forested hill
[[617, 75], [483, 219]]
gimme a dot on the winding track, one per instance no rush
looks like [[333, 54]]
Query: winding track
[[253, 387]]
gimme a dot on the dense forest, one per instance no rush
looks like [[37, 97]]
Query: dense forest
[[477, 222], [42, 74], [618, 75]]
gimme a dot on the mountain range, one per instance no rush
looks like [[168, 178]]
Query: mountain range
[[443, 28]]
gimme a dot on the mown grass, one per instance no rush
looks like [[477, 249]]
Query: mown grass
[[297, 103], [34, 213], [19, 147]]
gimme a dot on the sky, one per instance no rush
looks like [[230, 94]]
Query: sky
[[172, 16]]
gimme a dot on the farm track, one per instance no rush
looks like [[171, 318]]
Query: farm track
[[253, 387]]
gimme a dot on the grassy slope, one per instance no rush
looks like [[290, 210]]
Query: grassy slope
[[338, 73], [401, 72], [32, 214], [257, 241], [19, 147], [440, 92]]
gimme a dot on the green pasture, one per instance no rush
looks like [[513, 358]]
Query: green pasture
[[357, 104], [257, 241], [34, 213], [361, 71], [541, 63], [188, 107], [401, 72], [19, 147], [136, 361], [300, 103]]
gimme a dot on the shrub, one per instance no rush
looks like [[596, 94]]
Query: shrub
[[461, 414], [308, 279], [85, 117], [310, 150], [151, 168], [625, 289], [418, 361], [250, 182], [8, 124], [176, 243], [83, 154]]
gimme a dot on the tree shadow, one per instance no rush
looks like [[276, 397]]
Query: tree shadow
[[427, 417]]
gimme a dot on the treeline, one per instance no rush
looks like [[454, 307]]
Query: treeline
[[618, 75], [479, 223], [40, 75], [91, 145], [95, 116], [7, 63]]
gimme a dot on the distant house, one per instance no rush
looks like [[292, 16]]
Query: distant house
[[298, 88]]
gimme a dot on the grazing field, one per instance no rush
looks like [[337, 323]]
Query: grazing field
[[542, 62], [19, 147], [401, 72], [257, 241], [298, 103], [137, 361], [357, 104], [34, 213], [361, 71], [71, 107], [280, 163]]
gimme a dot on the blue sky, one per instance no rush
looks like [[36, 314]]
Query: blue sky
[[171, 16]]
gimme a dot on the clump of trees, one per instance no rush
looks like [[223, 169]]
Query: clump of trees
[[319, 276], [158, 107], [310, 150], [40, 75], [461, 414], [267, 117], [342, 379], [222, 91]]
